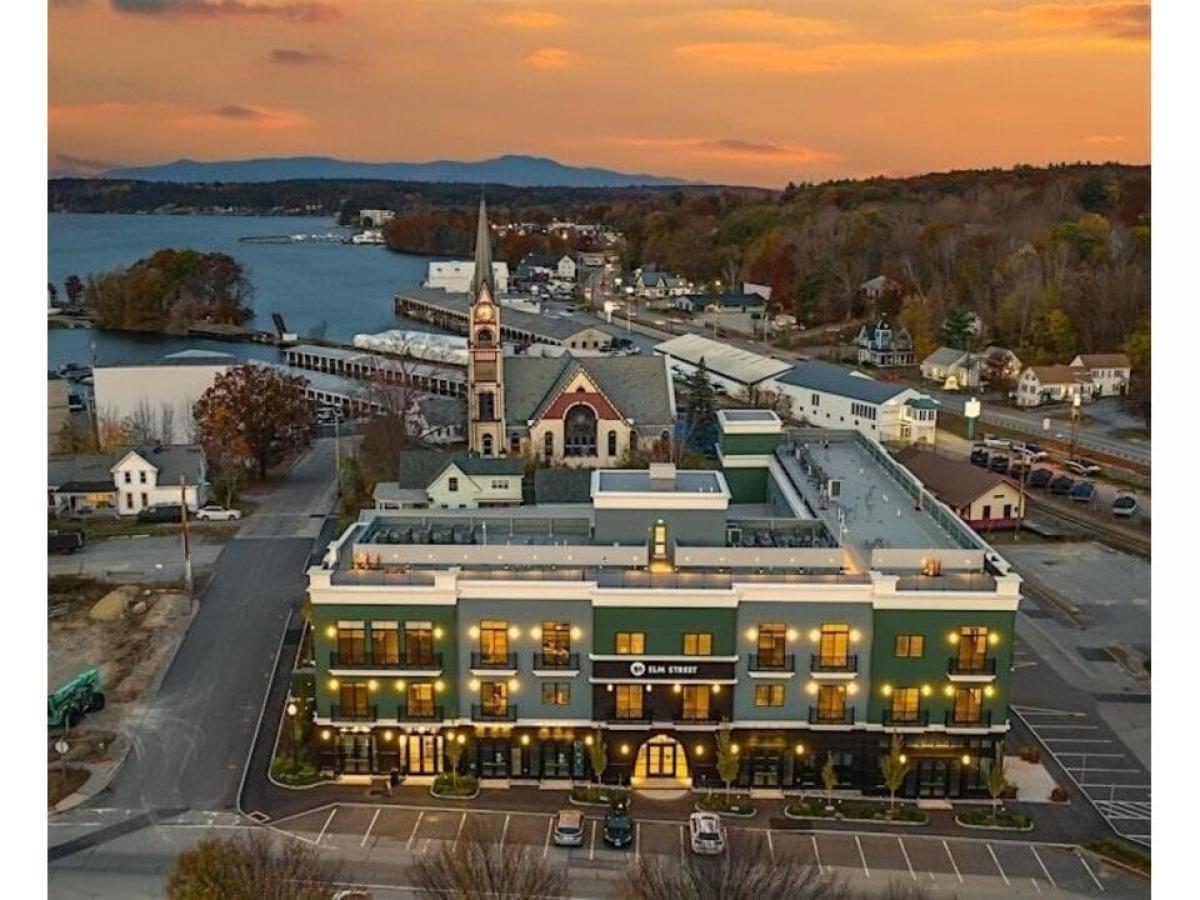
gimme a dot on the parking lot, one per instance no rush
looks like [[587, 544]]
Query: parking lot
[[361, 834]]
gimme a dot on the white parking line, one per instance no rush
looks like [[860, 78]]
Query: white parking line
[[997, 862], [1037, 887], [461, 823], [637, 840], [1125, 787], [1045, 871], [332, 813], [363, 842], [504, 831], [549, 827], [1068, 727], [592, 850], [1090, 755], [771, 846], [817, 854], [1093, 874], [682, 855], [1090, 769], [952, 862], [1076, 741], [417, 824], [1043, 711], [907, 861], [862, 856]]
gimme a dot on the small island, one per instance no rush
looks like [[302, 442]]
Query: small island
[[170, 292]]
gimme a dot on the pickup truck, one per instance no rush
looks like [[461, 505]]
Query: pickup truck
[[65, 541], [997, 443]]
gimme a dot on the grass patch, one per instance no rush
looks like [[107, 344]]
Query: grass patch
[[810, 809], [1119, 851], [463, 786], [597, 794], [719, 803], [60, 786], [295, 773], [74, 584], [1002, 819]]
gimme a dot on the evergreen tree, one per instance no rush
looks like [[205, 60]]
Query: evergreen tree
[[956, 329], [702, 411]]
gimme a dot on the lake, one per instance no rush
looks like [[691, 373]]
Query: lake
[[345, 288]]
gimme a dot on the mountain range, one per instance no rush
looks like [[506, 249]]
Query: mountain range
[[514, 170]]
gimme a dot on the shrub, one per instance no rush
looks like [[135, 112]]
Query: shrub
[[722, 804], [1002, 819], [462, 786], [1031, 754], [809, 809], [295, 773], [1127, 854], [1059, 795], [595, 794]]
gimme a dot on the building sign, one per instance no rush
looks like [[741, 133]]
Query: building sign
[[662, 670]]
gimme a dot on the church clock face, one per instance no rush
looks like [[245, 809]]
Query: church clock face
[[484, 312]]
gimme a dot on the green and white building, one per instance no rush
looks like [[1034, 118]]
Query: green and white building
[[810, 592]]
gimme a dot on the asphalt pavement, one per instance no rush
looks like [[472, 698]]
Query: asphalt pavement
[[147, 558]]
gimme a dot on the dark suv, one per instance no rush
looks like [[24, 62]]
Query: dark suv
[[1061, 484], [979, 457], [170, 512], [618, 827], [1040, 478]]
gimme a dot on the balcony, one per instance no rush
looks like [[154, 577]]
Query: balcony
[[706, 718], [354, 714], [507, 713], [833, 667], [427, 663], [493, 662], [979, 669], [831, 716], [640, 719], [980, 720], [771, 662], [556, 662], [920, 720], [419, 714]]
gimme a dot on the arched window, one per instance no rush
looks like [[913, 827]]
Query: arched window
[[579, 431], [549, 446], [487, 406], [514, 443], [633, 441], [612, 443], [487, 445], [483, 337]]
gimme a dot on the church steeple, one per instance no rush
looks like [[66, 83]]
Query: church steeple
[[483, 257]]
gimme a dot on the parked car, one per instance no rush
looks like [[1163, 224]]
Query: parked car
[[568, 828], [1040, 478], [1061, 484], [979, 457], [1125, 505], [618, 827], [212, 512], [708, 837], [990, 440], [1082, 466], [1018, 471], [1083, 492], [65, 541], [999, 463], [168, 512], [1035, 451]]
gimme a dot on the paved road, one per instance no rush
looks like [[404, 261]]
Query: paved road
[[149, 558]]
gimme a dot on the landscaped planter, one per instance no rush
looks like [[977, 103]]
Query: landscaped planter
[[588, 796], [983, 823], [818, 811], [467, 790], [276, 775], [719, 807]]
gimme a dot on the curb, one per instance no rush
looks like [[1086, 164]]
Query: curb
[[852, 821], [721, 812], [961, 824], [1109, 861], [438, 796]]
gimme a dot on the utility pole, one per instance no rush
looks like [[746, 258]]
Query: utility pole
[[187, 549], [1026, 465], [1075, 403], [337, 451]]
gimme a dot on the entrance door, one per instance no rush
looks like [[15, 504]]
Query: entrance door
[[356, 753], [493, 759], [660, 760], [764, 770], [422, 751], [931, 777]]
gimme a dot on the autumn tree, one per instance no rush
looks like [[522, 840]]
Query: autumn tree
[[251, 867], [254, 415], [74, 288]]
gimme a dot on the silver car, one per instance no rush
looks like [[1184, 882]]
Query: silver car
[[568, 828], [708, 837]]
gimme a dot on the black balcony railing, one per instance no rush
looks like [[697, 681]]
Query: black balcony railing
[[493, 660], [616, 719], [696, 718], [982, 719], [354, 714], [830, 716], [419, 713], [401, 664], [978, 665], [771, 662], [833, 663], [507, 713], [892, 720], [556, 661]]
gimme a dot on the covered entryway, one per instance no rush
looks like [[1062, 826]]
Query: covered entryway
[[661, 760]]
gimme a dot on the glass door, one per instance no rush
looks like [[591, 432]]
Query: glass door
[[660, 760], [931, 778], [356, 753]]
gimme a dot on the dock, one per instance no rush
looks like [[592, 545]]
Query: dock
[[350, 362]]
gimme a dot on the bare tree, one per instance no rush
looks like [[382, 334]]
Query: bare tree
[[166, 423], [477, 867], [251, 868], [732, 876], [394, 424], [142, 423]]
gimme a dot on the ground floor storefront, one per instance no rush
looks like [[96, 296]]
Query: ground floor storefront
[[941, 765]]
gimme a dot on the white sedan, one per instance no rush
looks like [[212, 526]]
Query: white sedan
[[214, 513], [708, 837]]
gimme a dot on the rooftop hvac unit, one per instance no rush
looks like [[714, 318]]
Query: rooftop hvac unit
[[834, 488], [733, 536]]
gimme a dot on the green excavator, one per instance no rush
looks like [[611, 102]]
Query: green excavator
[[79, 696]]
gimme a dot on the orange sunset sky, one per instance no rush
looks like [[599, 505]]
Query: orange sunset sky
[[742, 93]]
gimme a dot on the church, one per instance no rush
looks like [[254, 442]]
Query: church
[[584, 412]]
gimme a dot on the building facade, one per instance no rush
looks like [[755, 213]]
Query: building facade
[[1109, 372], [884, 345], [673, 602]]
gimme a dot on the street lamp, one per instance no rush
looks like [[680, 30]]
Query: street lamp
[[971, 410], [1076, 402], [293, 711]]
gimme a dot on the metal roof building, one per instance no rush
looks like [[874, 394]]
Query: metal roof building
[[730, 364]]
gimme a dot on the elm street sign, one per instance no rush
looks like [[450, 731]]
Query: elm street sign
[[663, 670]]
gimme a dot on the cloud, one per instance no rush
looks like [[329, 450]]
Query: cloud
[[1104, 139], [170, 115], [768, 21], [530, 20], [731, 149], [64, 165], [548, 58], [312, 55], [304, 11], [1130, 21], [771, 56]]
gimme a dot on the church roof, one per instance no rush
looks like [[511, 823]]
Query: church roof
[[639, 387], [483, 256]]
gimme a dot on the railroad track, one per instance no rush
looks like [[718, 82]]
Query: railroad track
[[1113, 535]]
